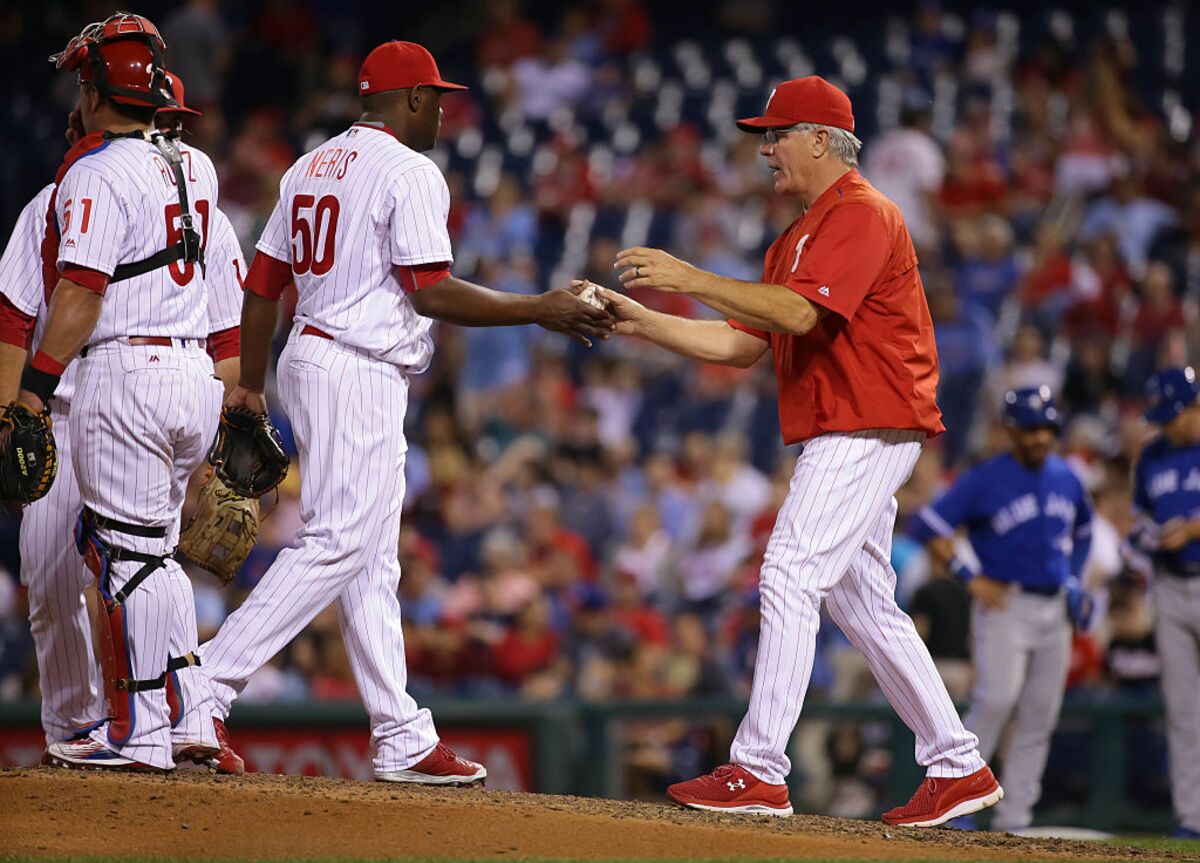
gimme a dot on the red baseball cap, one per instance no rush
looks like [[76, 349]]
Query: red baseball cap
[[399, 66], [175, 85], [803, 100]]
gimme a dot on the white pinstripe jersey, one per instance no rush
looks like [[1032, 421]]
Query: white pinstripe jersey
[[349, 212], [21, 276], [118, 204], [226, 268]]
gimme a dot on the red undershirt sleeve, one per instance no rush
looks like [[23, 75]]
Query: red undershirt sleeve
[[268, 277], [225, 344], [16, 327], [421, 276], [94, 280]]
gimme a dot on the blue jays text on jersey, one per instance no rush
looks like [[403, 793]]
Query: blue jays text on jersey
[[1029, 526], [1166, 486]]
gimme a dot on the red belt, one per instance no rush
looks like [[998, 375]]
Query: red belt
[[310, 330], [157, 341]]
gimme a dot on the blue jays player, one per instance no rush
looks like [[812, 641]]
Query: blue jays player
[[1166, 498], [1028, 520]]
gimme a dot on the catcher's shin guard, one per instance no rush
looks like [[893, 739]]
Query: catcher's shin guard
[[110, 632]]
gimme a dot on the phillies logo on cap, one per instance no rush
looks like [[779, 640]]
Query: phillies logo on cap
[[400, 65], [811, 99]]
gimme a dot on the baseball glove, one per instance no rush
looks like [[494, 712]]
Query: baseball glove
[[248, 453], [28, 454], [222, 532]]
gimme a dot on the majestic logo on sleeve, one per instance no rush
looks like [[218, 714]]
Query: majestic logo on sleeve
[[823, 290]]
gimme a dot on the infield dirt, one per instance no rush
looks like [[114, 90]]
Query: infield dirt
[[47, 813]]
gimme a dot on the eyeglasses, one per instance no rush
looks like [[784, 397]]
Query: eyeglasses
[[771, 137]]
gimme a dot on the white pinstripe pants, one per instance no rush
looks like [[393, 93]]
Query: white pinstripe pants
[[68, 672], [832, 542], [347, 412], [141, 423]]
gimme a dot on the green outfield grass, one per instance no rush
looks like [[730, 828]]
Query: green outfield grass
[[1158, 843], [10, 859], [515, 860]]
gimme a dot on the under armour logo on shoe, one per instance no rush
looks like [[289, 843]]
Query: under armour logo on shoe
[[734, 786]]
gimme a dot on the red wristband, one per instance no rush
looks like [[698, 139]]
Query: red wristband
[[43, 362]]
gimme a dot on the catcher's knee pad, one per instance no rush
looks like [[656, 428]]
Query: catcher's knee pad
[[110, 629]]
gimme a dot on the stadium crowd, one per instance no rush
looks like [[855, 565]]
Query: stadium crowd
[[589, 523]]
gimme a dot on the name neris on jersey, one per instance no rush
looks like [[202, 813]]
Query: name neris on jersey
[[330, 163]]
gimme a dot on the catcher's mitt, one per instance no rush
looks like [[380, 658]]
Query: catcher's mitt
[[248, 453], [28, 454], [222, 532]]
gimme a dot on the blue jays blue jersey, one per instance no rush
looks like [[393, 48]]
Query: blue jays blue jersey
[[1032, 527], [1166, 485]]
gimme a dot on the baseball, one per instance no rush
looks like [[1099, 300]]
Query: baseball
[[589, 296]]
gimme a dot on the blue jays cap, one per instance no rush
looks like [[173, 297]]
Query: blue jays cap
[[1031, 408], [1168, 392]]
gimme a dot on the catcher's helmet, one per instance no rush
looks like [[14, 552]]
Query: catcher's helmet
[[1031, 408], [123, 57], [1169, 392]]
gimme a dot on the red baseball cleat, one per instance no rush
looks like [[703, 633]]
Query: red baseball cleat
[[940, 800], [440, 767], [219, 759], [731, 788], [226, 760]]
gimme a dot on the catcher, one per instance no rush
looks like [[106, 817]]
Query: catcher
[[33, 444]]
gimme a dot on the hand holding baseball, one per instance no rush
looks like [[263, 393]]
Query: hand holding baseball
[[587, 291], [627, 312], [565, 312], [654, 268]]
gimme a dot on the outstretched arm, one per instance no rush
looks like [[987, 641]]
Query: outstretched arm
[[761, 305], [469, 305], [708, 341]]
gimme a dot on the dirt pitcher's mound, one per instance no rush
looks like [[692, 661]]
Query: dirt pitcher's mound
[[60, 813]]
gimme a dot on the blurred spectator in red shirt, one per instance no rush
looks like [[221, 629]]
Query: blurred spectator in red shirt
[[973, 183], [624, 26], [1100, 285], [629, 610], [530, 647], [507, 36]]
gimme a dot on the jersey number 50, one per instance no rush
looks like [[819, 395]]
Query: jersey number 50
[[314, 237]]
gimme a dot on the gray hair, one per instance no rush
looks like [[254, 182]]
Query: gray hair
[[842, 144]]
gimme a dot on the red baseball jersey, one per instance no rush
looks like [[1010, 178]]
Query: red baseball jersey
[[872, 362]]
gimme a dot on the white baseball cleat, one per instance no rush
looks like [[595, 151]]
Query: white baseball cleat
[[88, 754]]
